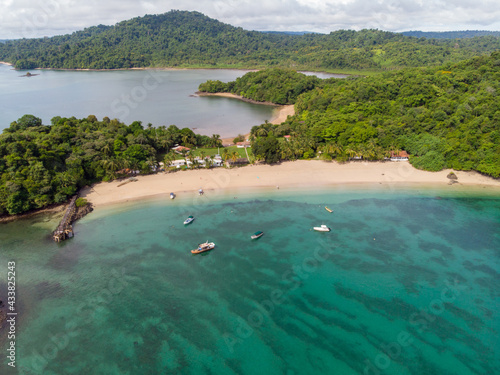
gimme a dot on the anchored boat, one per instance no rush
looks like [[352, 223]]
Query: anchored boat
[[322, 228], [203, 247], [326, 208], [257, 235], [189, 220]]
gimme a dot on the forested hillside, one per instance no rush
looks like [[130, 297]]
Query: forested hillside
[[279, 86], [444, 117], [180, 38]]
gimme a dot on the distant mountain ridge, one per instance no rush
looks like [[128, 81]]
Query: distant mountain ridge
[[451, 34], [191, 39]]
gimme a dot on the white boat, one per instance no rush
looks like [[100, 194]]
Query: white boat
[[322, 228], [189, 220], [257, 235], [172, 195], [202, 247]]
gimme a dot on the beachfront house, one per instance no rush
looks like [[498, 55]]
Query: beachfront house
[[216, 162], [179, 149], [243, 144], [399, 155]]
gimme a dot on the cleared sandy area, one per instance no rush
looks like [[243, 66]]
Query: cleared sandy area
[[283, 113], [297, 174]]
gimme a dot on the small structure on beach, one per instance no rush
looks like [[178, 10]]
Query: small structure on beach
[[243, 144], [399, 155], [179, 149]]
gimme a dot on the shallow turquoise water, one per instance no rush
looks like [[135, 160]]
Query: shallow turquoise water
[[406, 283]]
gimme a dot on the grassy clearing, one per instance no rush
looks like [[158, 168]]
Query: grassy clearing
[[214, 151]]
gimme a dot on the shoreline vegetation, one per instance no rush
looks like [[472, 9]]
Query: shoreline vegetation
[[234, 96], [301, 174]]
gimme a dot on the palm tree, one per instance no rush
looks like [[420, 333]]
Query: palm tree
[[349, 152], [184, 153], [225, 154], [234, 156], [153, 163], [111, 166], [336, 149], [191, 159], [215, 141], [261, 131], [209, 162], [212, 157], [168, 159], [107, 149]]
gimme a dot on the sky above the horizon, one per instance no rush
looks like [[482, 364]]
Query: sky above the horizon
[[35, 18]]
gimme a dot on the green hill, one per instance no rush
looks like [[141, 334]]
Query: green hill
[[190, 39], [447, 117]]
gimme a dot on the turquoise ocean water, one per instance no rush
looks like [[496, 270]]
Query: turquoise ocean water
[[407, 282]]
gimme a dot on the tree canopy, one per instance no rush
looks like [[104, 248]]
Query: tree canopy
[[45, 164], [277, 85], [446, 117], [181, 38]]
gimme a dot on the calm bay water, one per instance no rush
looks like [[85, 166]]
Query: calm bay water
[[159, 97], [406, 283]]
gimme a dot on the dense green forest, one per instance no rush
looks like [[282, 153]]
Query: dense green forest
[[444, 117], [276, 85], [181, 38], [45, 164]]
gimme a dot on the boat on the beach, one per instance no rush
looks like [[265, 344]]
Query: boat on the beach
[[200, 192], [202, 247], [172, 195], [189, 220], [322, 228], [257, 235], [329, 210]]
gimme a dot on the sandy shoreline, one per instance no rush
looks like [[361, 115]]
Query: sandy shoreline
[[234, 96], [293, 175], [283, 111]]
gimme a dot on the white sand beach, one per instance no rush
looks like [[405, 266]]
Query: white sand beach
[[294, 174]]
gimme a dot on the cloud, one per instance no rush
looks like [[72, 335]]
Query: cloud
[[30, 18]]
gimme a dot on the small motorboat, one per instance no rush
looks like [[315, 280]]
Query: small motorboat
[[202, 247], [189, 220], [257, 235], [172, 195], [322, 228], [326, 208], [200, 192]]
